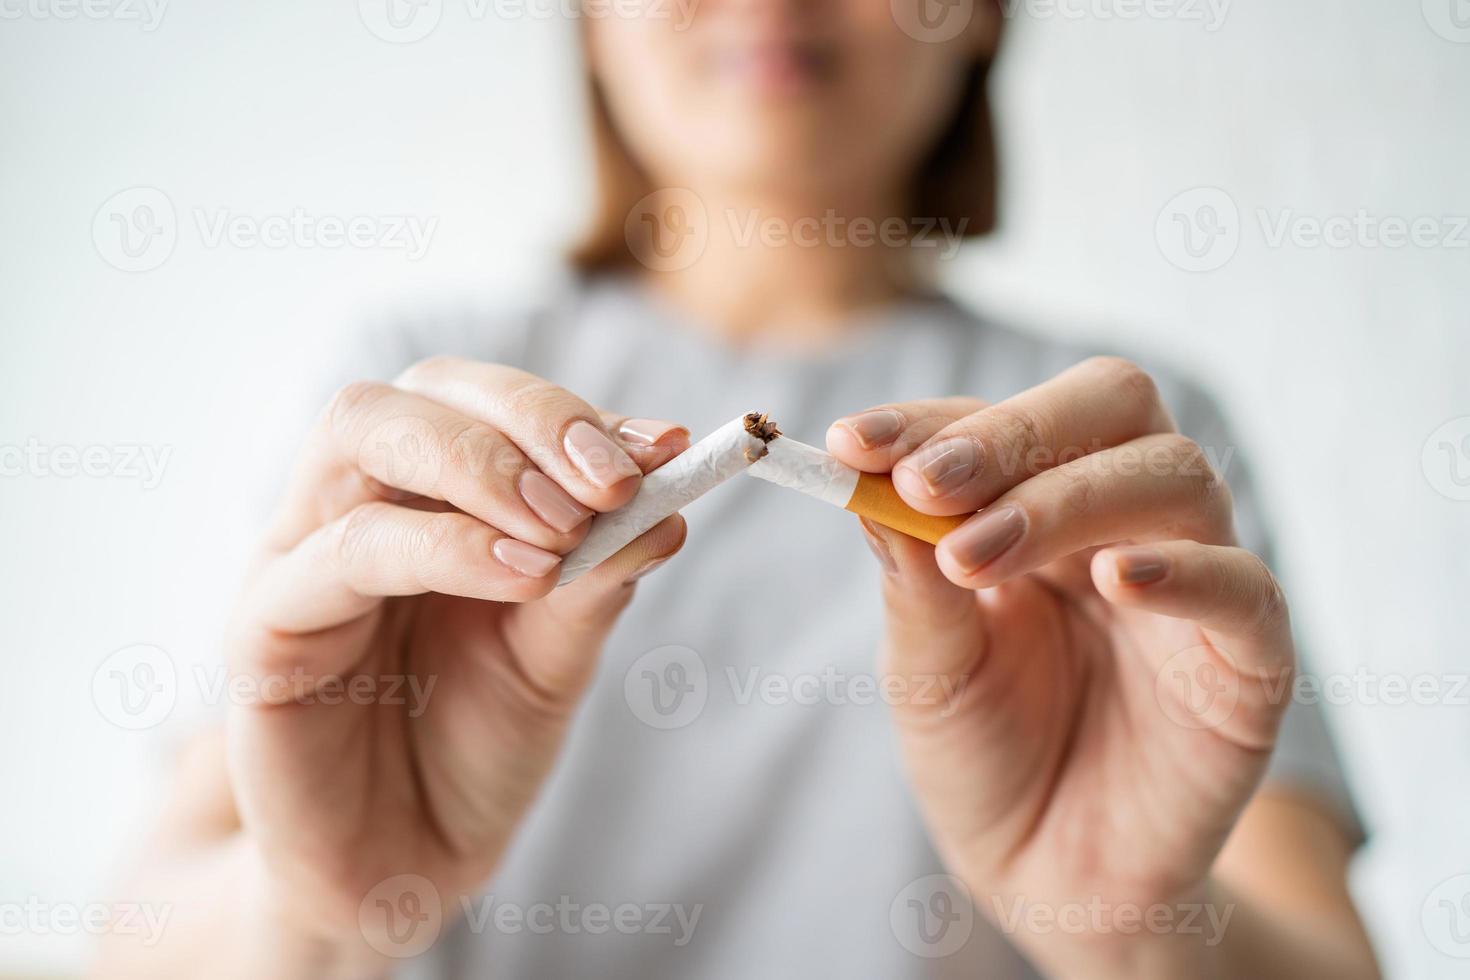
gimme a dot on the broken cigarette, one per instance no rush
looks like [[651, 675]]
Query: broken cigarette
[[796, 465], [711, 461], [751, 442]]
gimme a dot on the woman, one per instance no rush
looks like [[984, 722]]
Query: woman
[[1064, 764]]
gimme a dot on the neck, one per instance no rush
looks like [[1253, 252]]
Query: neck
[[791, 274]]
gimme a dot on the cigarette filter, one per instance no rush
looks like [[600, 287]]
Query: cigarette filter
[[796, 465], [717, 457]]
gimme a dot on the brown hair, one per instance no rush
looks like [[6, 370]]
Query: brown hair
[[956, 183]]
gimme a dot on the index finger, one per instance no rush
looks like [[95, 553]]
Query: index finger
[[1098, 404]]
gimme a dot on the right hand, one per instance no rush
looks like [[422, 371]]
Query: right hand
[[419, 545]]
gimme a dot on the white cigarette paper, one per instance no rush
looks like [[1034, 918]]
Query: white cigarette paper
[[806, 469], [797, 466], [724, 453]]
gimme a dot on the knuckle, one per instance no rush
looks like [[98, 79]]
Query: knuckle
[[1022, 428], [1257, 592], [1079, 492], [470, 448], [420, 372], [533, 397], [350, 401], [1130, 379], [435, 540], [358, 535]]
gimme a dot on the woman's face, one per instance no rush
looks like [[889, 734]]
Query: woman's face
[[784, 97]]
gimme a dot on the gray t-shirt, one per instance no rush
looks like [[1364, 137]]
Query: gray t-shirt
[[730, 801]]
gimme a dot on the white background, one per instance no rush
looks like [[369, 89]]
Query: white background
[[1337, 362]]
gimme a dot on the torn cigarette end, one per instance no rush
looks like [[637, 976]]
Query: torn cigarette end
[[877, 499], [727, 451], [759, 425]]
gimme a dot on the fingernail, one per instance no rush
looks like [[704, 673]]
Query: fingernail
[[524, 559], [550, 502], [596, 456], [878, 546], [985, 537], [646, 569], [874, 429], [1140, 566], [942, 468], [649, 432]]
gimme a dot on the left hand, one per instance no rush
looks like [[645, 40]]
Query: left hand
[[1119, 662]]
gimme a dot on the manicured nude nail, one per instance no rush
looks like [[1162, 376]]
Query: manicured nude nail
[[650, 432], [939, 470], [1140, 566], [597, 457], [985, 537], [878, 546], [657, 562], [550, 502], [524, 559], [874, 429]]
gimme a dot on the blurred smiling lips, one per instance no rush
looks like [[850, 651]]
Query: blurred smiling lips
[[776, 67]]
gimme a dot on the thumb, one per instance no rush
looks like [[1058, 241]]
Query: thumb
[[934, 628]]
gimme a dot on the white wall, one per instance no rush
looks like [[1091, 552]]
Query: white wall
[[1338, 362]]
